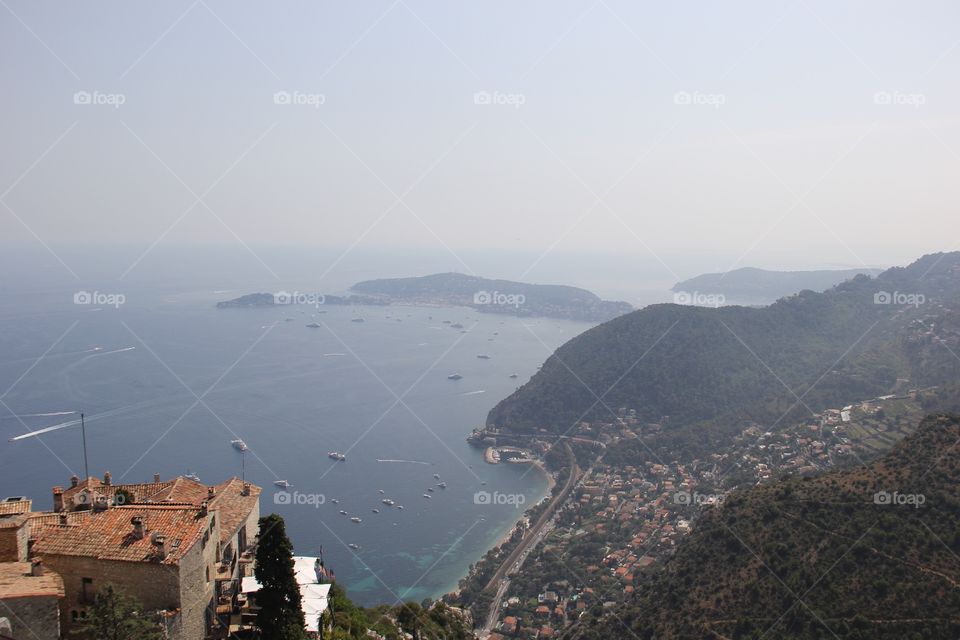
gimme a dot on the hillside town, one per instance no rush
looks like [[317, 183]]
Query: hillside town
[[623, 519]]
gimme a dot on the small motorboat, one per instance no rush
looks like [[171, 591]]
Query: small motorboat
[[388, 502], [436, 476], [376, 510], [381, 491], [442, 485], [400, 506], [430, 489], [335, 501], [283, 484], [353, 546], [342, 512], [336, 455], [427, 496], [239, 444], [454, 376], [356, 520]]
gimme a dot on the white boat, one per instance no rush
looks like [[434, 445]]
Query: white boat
[[483, 356], [400, 506], [342, 512], [239, 444], [281, 483], [353, 546], [191, 476], [513, 375], [454, 376], [437, 476], [336, 455], [376, 510], [381, 491], [356, 520], [442, 485], [430, 489], [427, 496], [388, 502]]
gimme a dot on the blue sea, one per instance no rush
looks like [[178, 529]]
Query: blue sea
[[166, 381]]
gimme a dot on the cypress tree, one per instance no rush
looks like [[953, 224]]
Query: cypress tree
[[280, 616]]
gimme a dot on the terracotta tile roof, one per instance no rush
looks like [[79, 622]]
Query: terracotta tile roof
[[39, 521], [234, 507], [16, 582], [108, 535], [13, 507]]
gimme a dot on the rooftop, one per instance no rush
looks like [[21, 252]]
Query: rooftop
[[16, 582], [109, 535]]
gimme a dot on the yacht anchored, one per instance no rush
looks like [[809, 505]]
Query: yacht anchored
[[283, 484], [336, 455], [239, 444], [388, 502], [356, 520], [454, 376]]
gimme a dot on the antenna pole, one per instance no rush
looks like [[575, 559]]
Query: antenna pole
[[83, 432]]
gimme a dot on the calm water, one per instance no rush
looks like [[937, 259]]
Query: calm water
[[376, 390]]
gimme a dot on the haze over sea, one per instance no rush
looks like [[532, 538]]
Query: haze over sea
[[167, 381]]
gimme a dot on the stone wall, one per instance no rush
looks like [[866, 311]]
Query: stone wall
[[154, 585], [33, 618], [13, 540], [198, 573]]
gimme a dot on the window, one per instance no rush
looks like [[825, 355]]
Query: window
[[87, 593]]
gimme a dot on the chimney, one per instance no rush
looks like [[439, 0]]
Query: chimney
[[156, 477], [211, 492], [100, 503], [160, 546], [74, 481], [138, 528], [36, 567], [58, 498], [246, 489], [107, 478], [203, 508]]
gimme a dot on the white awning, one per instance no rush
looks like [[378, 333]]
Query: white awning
[[314, 597]]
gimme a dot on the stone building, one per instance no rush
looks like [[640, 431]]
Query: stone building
[[30, 599], [14, 534], [178, 546]]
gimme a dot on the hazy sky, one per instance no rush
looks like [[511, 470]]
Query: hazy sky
[[765, 133]]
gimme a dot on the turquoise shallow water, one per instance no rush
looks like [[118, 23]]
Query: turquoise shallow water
[[377, 390]]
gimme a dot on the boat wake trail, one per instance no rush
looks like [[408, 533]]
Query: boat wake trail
[[406, 461], [472, 393]]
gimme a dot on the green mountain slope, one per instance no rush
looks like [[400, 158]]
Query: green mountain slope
[[693, 367], [866, 553]]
